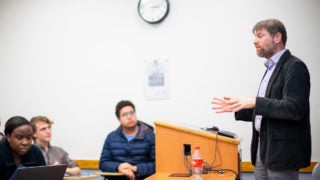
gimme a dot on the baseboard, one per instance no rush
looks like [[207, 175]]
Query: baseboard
[[248, 167], [245, 166]]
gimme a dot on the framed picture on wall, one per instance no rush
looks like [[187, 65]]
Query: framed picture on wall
[[156, 79]]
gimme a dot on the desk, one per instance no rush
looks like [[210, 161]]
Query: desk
[[113, 175], [82, 177], [210, 176], [110, 174]]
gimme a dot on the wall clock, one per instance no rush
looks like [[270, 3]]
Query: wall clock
[[153, 11]]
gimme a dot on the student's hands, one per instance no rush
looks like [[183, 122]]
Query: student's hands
[[127, 169], [123, 166], [129, 173], [227, 104], [74, 171], [56, 163], [71, 171]]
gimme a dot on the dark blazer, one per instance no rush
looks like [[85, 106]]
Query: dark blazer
[[285, 137]]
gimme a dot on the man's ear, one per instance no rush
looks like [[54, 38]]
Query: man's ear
[[277, 38], [34, 135], [8, 138]]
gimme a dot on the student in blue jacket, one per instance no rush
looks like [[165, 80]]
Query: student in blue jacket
[[130, 149]]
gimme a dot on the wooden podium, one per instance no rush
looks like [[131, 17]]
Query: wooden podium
[[222, 151]]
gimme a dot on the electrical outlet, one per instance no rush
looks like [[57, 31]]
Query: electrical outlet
[[186, 149]]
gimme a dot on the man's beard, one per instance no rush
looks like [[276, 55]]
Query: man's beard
[[266, 51]]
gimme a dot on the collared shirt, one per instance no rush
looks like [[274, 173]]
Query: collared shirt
[[271, 65], [56, 153]]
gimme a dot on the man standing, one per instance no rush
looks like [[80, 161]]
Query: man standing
[[53, 155], [130, 148], [281, 140]]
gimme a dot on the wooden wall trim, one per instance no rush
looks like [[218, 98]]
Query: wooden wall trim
[[245, 166], [88, 164]]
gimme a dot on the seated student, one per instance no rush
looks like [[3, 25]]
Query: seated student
[[130, 148], [1, 134], [17, 149], [53, 155]]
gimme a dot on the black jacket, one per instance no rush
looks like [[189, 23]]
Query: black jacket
[[285, 137], [7, 165]]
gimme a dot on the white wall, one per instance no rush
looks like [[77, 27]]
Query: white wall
[[73, 60]]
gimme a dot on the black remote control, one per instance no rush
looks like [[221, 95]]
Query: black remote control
[[227, 134]]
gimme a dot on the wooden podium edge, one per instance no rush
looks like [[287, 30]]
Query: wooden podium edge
[[198, 132], [245, 165]]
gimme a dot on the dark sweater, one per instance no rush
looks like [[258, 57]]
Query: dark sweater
[[7, 165]]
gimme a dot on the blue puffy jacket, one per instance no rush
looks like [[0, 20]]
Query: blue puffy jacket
[[140, 151]]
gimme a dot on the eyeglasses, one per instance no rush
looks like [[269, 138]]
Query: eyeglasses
[[131, 113]]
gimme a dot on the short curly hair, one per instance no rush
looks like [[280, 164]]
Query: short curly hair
[[122, 104]]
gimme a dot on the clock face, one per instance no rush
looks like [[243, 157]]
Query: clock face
[[153, 11]]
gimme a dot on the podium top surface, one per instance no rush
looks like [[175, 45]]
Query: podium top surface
[[197, 131]]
